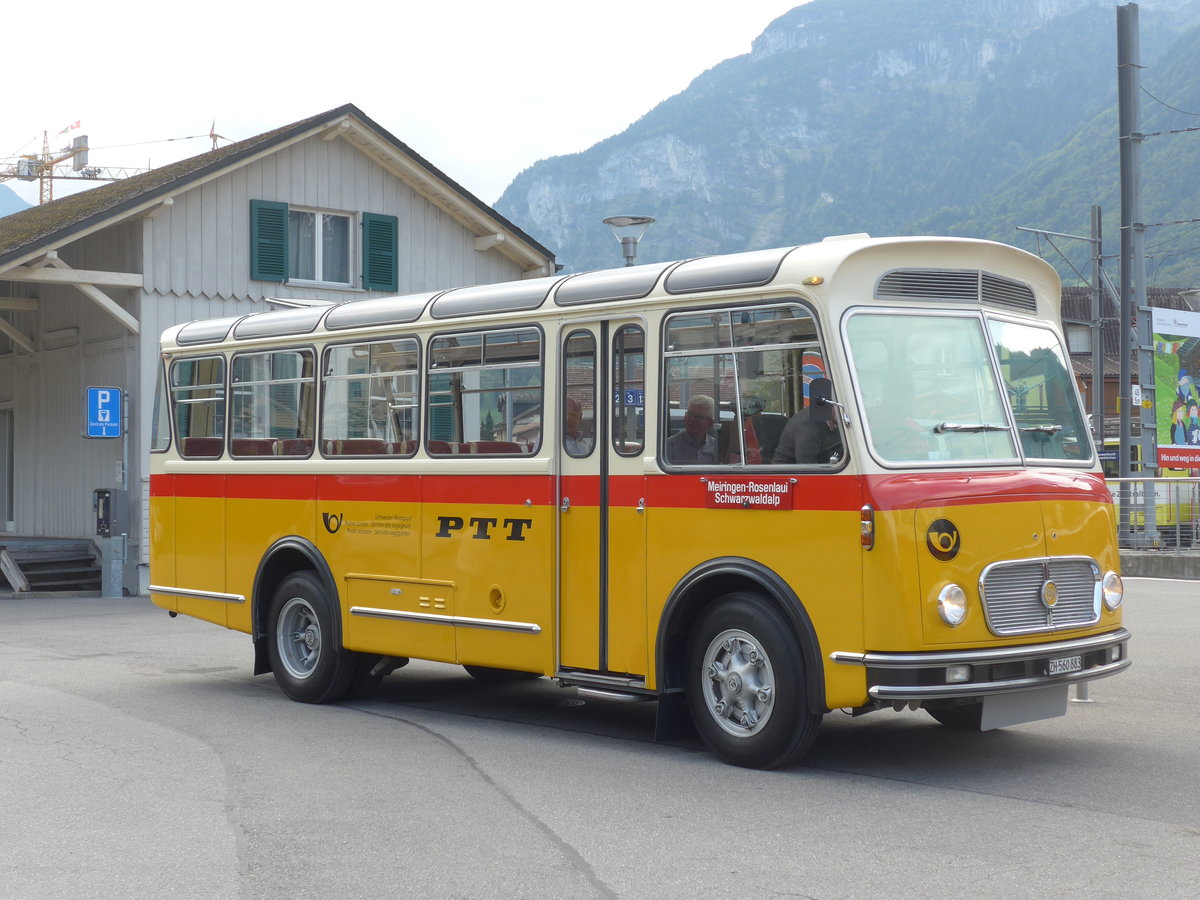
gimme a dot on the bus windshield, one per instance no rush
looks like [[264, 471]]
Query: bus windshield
[[930, 393]]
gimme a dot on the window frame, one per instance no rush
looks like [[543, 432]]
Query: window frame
[[318, 246], [326, 378], [462, 444]]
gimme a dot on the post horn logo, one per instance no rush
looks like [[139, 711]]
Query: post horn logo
[[942, 540], [332, 522]]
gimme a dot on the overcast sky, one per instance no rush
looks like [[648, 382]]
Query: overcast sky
[[481, 89]]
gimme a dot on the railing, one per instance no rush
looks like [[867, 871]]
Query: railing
[[1173, 511]]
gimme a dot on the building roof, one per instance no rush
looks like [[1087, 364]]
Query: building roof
[[37, 229], [1077, 309]]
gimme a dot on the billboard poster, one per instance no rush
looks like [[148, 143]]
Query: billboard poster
[[1177, 388]]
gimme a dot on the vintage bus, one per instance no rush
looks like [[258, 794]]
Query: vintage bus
[[853, 474]]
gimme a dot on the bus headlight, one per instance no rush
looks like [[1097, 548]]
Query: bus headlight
[[1113, 589], [952, 605]]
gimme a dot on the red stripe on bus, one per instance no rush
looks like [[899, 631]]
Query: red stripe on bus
[[817, 492]]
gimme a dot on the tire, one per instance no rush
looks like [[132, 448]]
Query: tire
[[308, 664], [965, 716], [488, 675], [746, 684]]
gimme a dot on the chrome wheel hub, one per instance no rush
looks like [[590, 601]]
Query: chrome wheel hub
[[738, 683], [298, 636]]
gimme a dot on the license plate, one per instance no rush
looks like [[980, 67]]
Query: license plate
[[1065, 664]]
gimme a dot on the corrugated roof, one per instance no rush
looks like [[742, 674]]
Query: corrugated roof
[[32, 229]]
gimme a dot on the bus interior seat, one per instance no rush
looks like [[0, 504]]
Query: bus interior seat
[[252, 447], [210, 447], [294, 447]]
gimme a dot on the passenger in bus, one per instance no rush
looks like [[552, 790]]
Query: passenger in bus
[[804, 441], [575, 441], [694, 444]]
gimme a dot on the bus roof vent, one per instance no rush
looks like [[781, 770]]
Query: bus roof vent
[[377, 312], [277, 324], [205, 331], [955, 286], [631, 283], [484, 299], [719, 273]]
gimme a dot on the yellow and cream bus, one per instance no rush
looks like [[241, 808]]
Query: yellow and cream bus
[[853, 474]]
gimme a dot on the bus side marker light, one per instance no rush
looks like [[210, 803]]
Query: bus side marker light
[[952, 605], [1114, 590], [866, 527], [957, 673]]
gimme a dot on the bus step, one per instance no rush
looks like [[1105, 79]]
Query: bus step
[[588, 693]]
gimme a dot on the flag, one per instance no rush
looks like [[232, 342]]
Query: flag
[[70, 127], [212, 132]]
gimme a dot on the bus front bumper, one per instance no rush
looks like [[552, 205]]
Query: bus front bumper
[[960, 674]]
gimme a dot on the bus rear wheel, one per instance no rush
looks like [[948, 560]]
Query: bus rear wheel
[[746, 684], [307, 663]]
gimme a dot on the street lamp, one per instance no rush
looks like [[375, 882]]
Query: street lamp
[[629, 230]]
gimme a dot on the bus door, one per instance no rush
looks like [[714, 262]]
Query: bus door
[[602, 545]]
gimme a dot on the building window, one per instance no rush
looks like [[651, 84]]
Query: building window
[[318, 247]]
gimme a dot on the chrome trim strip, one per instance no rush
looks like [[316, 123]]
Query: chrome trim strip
[[459, 621], [980, 657], [197, 595], [980, 688]]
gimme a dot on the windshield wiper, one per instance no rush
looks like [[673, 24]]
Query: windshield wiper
[[1044, 429], [943, 427]]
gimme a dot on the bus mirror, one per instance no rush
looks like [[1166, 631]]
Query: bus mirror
[[820, 400]]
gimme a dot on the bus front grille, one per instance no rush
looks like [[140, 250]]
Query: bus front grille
[[1038, 595]]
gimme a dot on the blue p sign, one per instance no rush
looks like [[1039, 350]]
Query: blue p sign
[[103, 412]]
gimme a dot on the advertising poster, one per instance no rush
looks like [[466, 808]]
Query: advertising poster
[[1177, 388]]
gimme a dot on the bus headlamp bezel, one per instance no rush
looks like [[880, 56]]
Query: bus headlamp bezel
[[952, 605]]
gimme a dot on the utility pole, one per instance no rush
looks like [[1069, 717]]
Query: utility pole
[[1100, 286], [1097, 330], [1135, 319]]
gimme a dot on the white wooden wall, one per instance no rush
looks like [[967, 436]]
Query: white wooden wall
[[195, 259]]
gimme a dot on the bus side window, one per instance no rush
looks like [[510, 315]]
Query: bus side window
[[370, 405], [629, 390], [749, 368], [198, 402], [579, 394], [273, 407], [485, 393]]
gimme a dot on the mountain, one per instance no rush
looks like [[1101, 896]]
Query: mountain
[[10, 202], [911, 116]]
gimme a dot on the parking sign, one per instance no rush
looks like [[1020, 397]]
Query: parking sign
[[102, 411]]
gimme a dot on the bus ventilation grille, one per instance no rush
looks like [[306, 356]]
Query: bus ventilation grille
[[956, 286], [1013, 591]]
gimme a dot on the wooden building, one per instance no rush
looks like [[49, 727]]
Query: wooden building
[[333, 208]]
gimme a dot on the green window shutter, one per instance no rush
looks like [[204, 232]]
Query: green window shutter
[[268, 240], [380, 260]]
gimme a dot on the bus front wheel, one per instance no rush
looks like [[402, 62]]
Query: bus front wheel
[[307, 663], [746, 683]]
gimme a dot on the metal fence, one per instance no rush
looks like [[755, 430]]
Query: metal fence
[[1157, 513]]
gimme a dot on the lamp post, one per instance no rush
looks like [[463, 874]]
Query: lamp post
[[629, 230]]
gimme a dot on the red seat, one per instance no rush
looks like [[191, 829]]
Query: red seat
[[356, 447], [251, 447], [208, 447], [495, 448]]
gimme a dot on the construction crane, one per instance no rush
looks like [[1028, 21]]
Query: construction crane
[[45, 167]]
